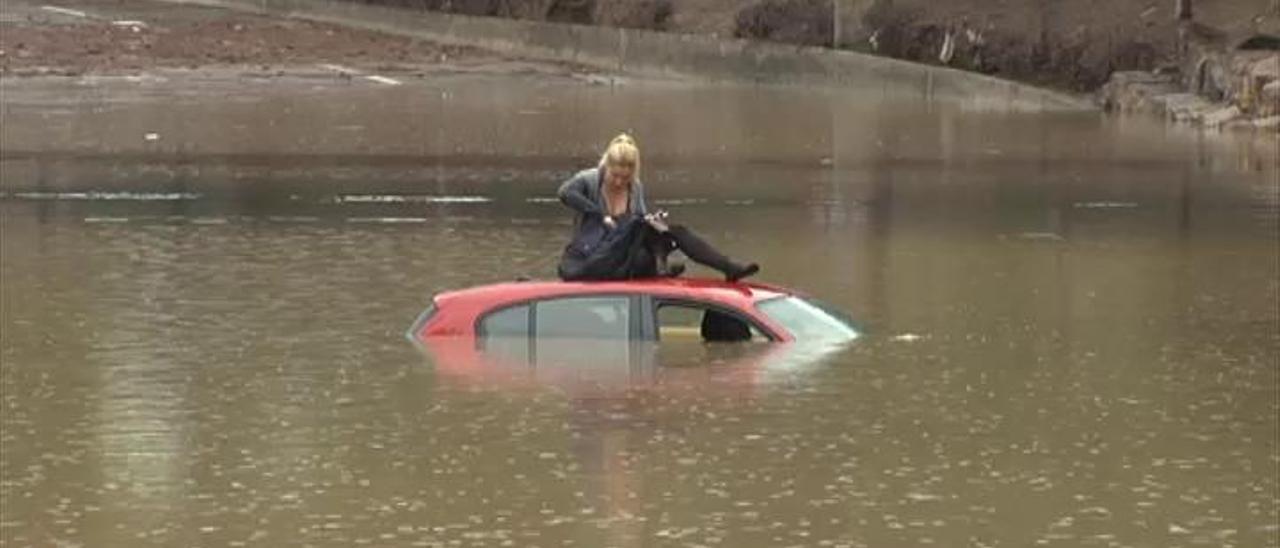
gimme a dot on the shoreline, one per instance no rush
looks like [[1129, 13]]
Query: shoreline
[[211, 42]]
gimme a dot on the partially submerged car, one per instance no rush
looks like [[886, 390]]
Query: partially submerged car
[[632, 310]]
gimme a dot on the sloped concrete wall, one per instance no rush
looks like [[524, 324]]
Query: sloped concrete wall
[[652, 53]]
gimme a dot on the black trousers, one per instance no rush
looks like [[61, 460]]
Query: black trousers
[[636, 250]]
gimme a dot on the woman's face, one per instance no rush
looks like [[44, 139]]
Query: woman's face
[[619, 176]]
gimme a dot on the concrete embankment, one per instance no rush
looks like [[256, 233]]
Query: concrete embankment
[[648, 53]]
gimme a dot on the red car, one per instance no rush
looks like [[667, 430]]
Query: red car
[[632, 310]]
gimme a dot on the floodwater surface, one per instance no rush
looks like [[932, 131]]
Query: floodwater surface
[[1071, 323]]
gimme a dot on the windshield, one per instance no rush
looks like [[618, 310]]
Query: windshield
[[808, 319]]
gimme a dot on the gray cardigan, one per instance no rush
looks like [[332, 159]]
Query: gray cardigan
[[583, 194]]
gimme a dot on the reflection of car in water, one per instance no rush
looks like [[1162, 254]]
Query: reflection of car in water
[[631, 310]]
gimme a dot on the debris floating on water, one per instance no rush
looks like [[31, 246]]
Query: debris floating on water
[[1045, 236], [387, 220], [110, 196], [131, 24], [411, 198], [1106, 205]]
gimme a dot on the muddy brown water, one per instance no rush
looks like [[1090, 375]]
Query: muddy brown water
[[1071, 323]]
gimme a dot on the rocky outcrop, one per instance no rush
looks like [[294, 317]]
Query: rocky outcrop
[[1234, 89]]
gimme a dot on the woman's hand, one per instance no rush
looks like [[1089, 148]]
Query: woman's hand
[[658, 220]]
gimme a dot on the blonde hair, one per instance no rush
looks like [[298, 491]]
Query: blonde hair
[[622, 151]]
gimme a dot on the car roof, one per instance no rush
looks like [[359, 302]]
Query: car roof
[[734, 293]]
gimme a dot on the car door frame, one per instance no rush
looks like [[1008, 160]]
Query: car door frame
[[650, 304], [638, 316]]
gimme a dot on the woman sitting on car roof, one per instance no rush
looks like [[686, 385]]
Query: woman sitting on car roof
[[614, 235]]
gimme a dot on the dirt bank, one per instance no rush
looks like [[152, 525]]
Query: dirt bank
[[215, 38], [1067, 45]]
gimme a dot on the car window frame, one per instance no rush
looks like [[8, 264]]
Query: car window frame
[[636, 313], [656, 301]]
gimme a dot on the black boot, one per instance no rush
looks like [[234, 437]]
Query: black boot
[[743, 271], [702, 253]]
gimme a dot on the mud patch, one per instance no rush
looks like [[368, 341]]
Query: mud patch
[[101, 47], [807, 22], [640, 14]]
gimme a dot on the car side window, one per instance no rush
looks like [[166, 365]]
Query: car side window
[[505, 333], [680, 320], [508, 322], [584, 317]]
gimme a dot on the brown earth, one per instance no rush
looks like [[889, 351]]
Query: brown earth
[[1072, 45], [1067, 45], [226, 39]]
